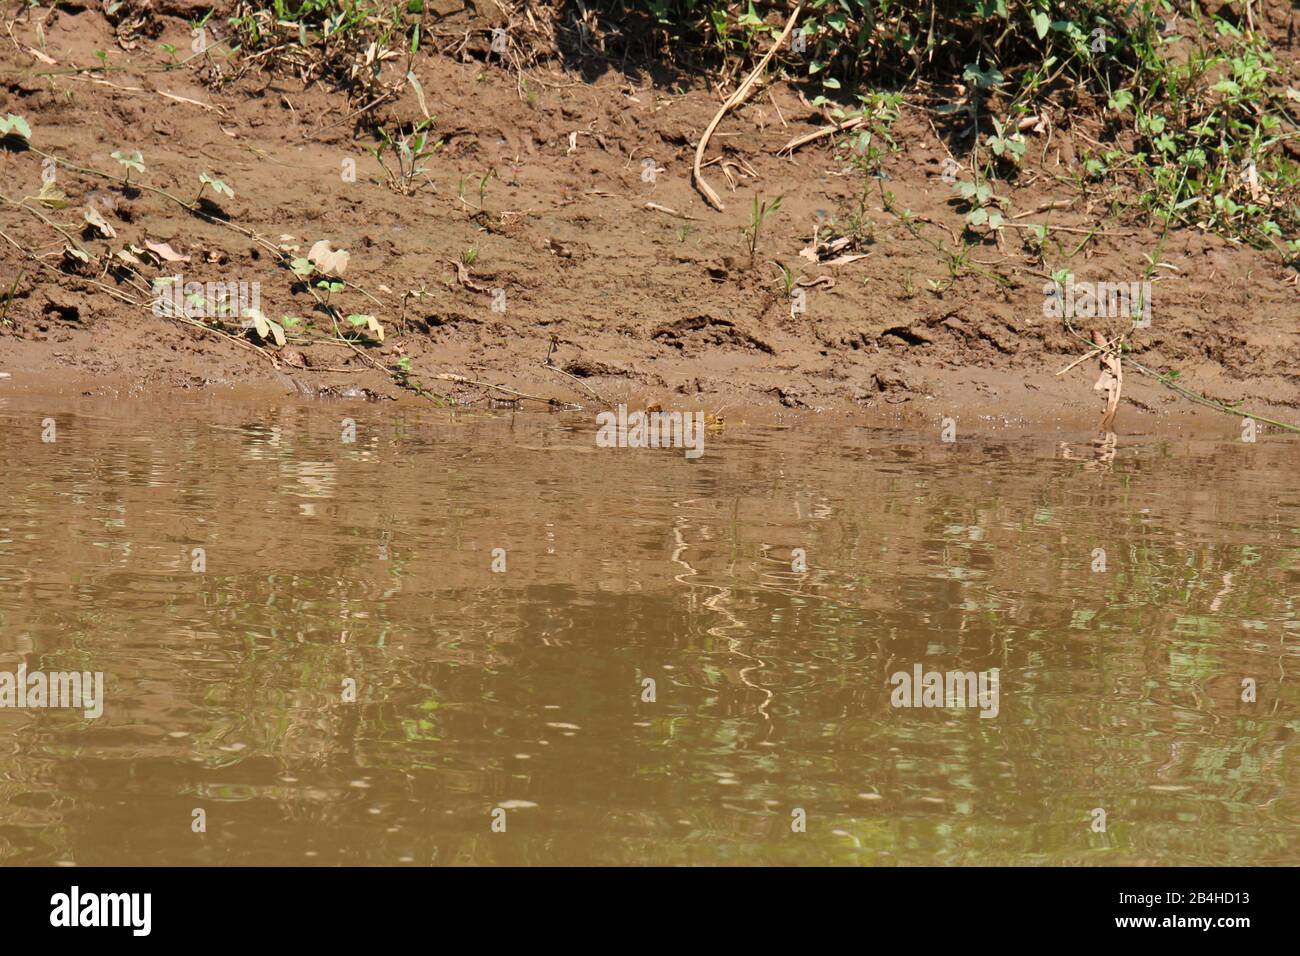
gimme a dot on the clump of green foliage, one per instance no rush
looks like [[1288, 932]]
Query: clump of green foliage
[[1194, 110], [409, 153]]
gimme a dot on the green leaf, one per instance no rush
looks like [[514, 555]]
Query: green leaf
[[217, 185], [133, 160], [984, 79], [15, 124]]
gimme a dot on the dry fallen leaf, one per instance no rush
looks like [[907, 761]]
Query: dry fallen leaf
[[265, 327], [95, 219], [819, 250], [165, 252], [52, 196], [330, 262], [1110, 381], [462, 276], [419, 93], [843, 260]]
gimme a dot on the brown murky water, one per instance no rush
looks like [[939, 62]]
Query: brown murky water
[[371, 561]]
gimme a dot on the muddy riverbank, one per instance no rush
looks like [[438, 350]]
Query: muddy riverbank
[[559, 225]]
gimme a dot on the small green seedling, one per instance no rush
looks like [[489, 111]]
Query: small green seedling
[[1004, 146], [9, 297], [758, 215], [370, 322], [983, 208], [411, 152], [787, 279], [133, 160], [217, 186], [1292, 257], [330, 288], [1037, 236], [302, 268]]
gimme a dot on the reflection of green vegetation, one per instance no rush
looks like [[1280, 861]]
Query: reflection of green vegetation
[[422, 728], [1121, 689]]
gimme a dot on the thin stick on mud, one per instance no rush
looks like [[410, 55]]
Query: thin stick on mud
[[1087, 355], [464, 380], [655, 207], [731, 102], [187, 321], [45, 265], [72, 240], [549, 364], [591, 391], [817, 134]]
